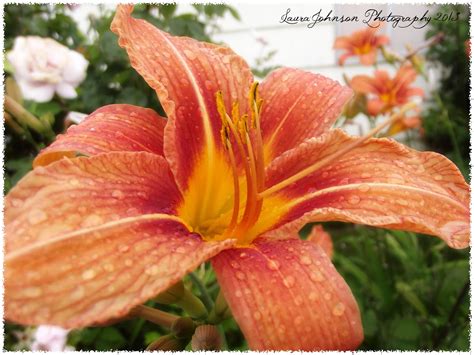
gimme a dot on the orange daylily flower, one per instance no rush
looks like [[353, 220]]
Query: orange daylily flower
[[231, 175], [363, 43], [385, 92], [404, 124]]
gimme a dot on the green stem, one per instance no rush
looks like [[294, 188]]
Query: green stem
[[452, 135], [154, 315], [206, 299], [22, 115]]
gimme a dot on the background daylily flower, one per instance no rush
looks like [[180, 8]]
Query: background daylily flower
[[386, 92], [363, 43], [231, 175]]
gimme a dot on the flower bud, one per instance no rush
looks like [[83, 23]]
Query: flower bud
[[206, 337], [172, 294], [183, 328], [167, 343]]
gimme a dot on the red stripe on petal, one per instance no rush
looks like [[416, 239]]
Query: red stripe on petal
[[68, 195], [298, 105], [110, 128], [286, 295], [100, 273]]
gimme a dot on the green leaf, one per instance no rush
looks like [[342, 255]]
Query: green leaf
[[411, 297]]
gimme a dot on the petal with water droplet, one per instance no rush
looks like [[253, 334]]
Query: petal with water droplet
[[293, 111], [89, 277], [105, 190], [285, 308], [379, 183], [110, 128]]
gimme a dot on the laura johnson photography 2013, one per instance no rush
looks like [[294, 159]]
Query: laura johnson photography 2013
[[186, 177]]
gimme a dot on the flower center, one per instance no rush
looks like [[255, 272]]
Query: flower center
[[242, 139]]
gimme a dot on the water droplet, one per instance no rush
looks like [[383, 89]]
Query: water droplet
[[88, 274], [273, 265], [235, 264], [153, 270], [117, 194], [92, 220], [238, 294], [365, 175], [32, 292], [78, 293], [327, 296], [74, 182], [306, 260], [298, 300], [208, 85], [299, 320], [354, 200], [313, 296], [16, 202], [109, 267], [438, 177], [325, 174], [123, 248], [243, 255], [257, 315], [338, 309], [364, 187], [289, 281], [240, 275], [37, 216], [317, 276], [128, 262]]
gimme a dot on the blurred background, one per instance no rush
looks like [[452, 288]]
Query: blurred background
[[413, 291]]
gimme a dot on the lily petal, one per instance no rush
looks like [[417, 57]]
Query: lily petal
[[287, 295], [322, 238], [298, 105], [72, 194], [110, 128], [100, 273], [186, 74], [380, 183]]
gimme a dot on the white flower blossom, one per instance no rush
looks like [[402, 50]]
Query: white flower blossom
[[50, 338], [43, 67]]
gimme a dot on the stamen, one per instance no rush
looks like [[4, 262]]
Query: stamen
[[311, 169], [235, 176]]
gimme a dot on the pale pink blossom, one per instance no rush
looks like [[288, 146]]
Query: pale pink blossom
[[43, 67], [50, 338]]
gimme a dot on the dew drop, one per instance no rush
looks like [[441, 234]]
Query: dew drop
[[37, 216], [16, 202], [317, 276], [109, 267], [117, 194], [240, 275], [366, 175], [354, 200], [327, 296], [153, 270], [298, 300], [257, 315], [78, 293], [364, 187], [235, 264], [243, 255], [92, 220], [208, 84], [306, 260], [88, 274], [123, 248], [32, 292], [438, 177], [238, 294], [128, 262], [289, 281], [325, 174], [74, 182], [338, 309], [298, 320], [273, 265], [313, 296]]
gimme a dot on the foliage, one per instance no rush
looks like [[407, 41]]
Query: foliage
[[446, 122]]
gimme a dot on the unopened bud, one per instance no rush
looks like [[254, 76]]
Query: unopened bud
[[167, 343], [183, 328], [206, 337], [389, 56], [171, 295], [220, 311]]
